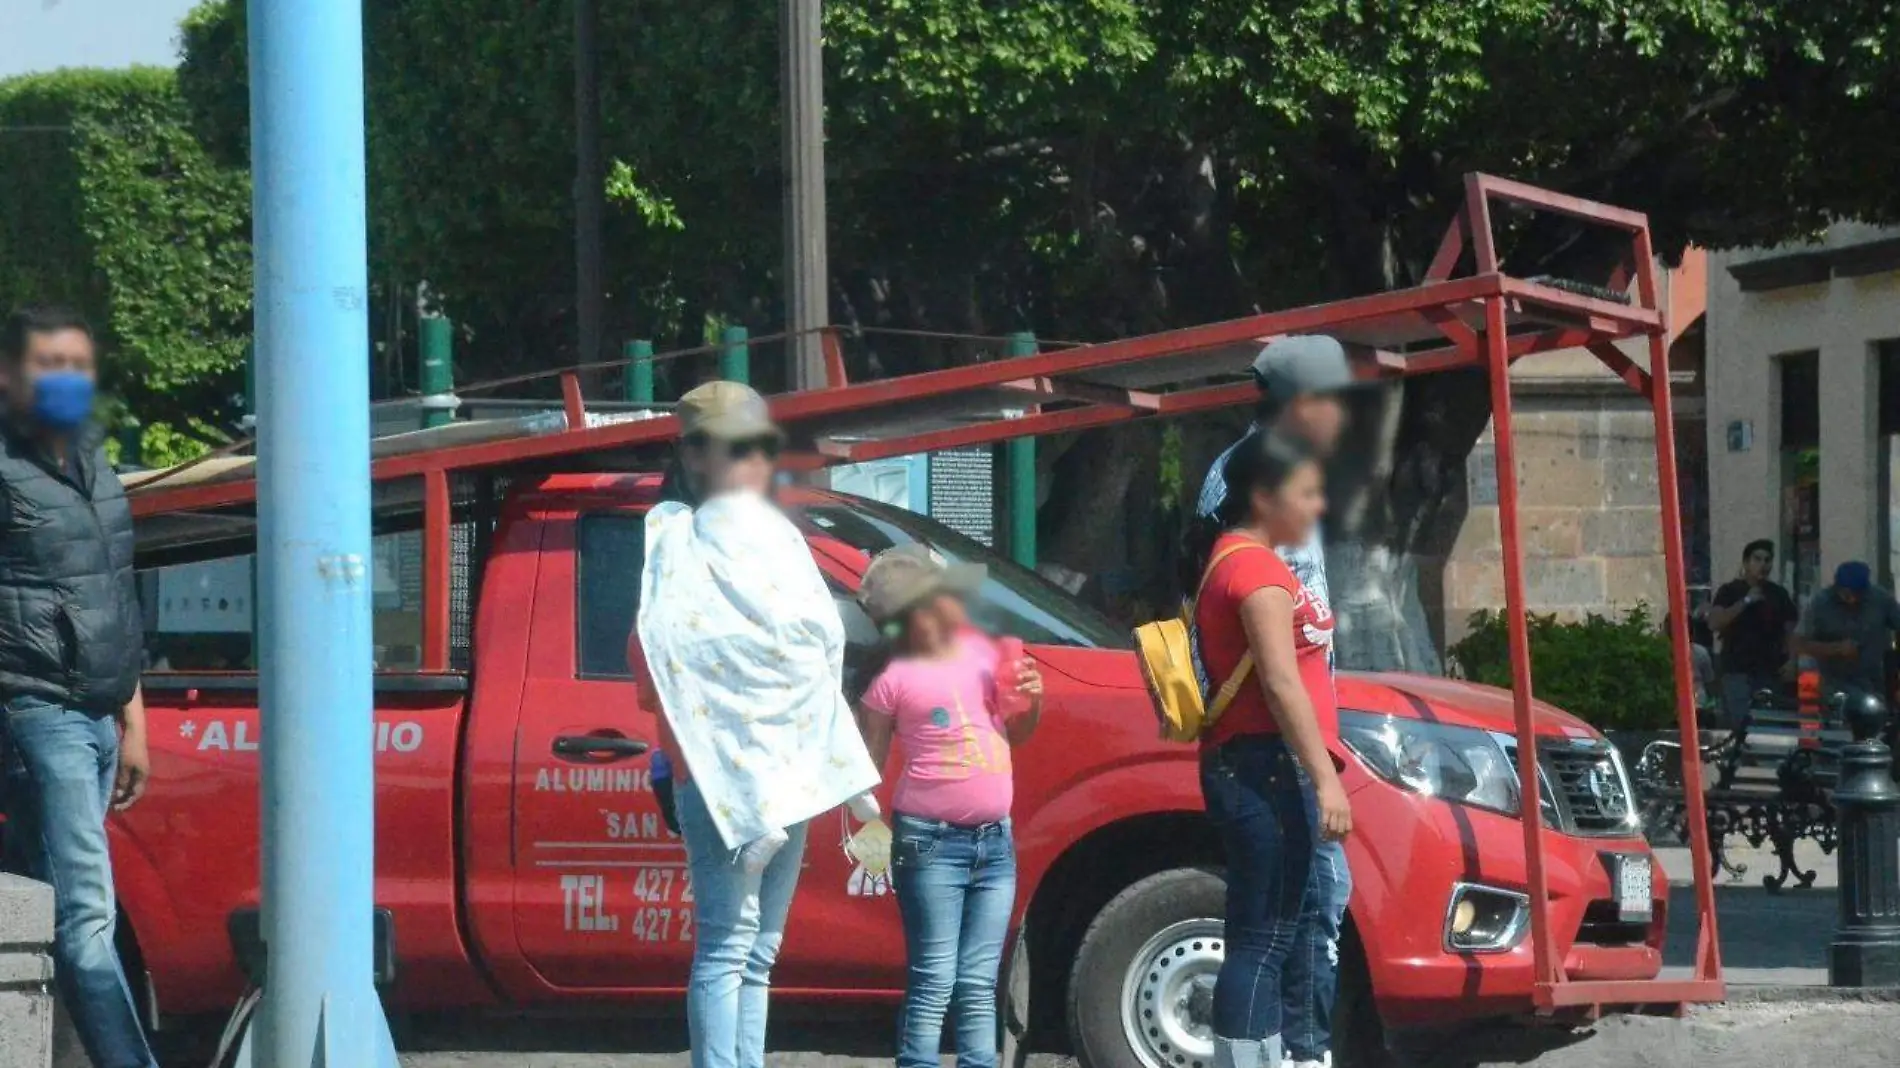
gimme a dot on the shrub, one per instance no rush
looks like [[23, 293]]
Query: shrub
[[111, 205], [1615, 674]]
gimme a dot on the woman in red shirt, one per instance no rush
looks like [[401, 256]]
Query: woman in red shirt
[[1267, 776]]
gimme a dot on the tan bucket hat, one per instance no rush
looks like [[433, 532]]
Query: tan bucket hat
[[725, 411], [906, 576]]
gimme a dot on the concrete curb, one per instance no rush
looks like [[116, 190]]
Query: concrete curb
[[26, 973]]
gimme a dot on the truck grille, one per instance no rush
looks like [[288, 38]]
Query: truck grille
[[1603, 926], [1590, 794]]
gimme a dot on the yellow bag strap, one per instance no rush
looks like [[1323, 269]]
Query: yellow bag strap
[[1231, 688], [1214, 561]]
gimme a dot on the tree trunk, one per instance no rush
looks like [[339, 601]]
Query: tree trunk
[[1098, 512], [1386, 551], [1398, 485]]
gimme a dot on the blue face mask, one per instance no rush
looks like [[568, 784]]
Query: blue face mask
[[62, 400]]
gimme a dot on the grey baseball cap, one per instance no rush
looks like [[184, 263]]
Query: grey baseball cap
[[1299, 364], [901, 578]]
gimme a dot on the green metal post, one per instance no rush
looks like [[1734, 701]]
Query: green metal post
[[1022, 475], [735, 355], [639, 372], [435, 343], [131, 444]]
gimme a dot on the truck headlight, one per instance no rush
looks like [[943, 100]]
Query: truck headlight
[[1462, 764], [1484, 919]]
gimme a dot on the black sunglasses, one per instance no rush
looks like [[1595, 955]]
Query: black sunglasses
[[767, 444], [739, 450]]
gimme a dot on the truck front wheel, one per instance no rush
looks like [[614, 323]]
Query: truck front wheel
[[1141, 992]]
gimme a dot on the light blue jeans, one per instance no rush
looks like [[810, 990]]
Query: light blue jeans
[[956, 887], [60, 767], [741, 921]]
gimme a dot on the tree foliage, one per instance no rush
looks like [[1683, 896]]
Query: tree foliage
[[1084, 166], [1093, 168], [113, 206]]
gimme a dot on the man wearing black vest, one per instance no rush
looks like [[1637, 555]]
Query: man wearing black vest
[[72, 720]]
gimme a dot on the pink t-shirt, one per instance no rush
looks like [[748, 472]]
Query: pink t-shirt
[[956, 757]]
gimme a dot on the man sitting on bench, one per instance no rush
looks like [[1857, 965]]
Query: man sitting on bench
[[1848, 629]]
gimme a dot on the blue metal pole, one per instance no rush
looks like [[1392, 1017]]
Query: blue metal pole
[[320, 1005]]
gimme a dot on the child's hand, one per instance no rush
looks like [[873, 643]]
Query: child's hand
[[1028, 679]]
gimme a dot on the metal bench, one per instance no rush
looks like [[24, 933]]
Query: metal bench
[[1774, 777]]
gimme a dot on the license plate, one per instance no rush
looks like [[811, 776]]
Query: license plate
[[1633, 889]]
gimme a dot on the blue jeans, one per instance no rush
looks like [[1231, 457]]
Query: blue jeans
[[1269, 826], [60, 767], [741, 924], [1310, 984], [955, 889], [1738, 694]]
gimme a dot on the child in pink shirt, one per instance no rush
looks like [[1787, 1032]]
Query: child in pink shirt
[[953, 863]]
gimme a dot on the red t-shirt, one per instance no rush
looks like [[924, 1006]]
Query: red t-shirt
[[1223, 639]]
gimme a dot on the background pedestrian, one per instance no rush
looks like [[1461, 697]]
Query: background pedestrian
[[1754, 617], [1848, 629], [72, 730]]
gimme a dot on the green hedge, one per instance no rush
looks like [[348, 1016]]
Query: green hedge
[[1615, 674], [111, 204]]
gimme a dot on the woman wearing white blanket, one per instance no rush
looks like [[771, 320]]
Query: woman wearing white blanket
[[743, 650]]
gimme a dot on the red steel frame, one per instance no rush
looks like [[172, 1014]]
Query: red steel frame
[[1468, 314], [1552, 989]]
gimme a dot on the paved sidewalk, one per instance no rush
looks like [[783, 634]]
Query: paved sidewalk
[[1760, 1031], [1768, 939], [1772, 1030], [1774, 948]]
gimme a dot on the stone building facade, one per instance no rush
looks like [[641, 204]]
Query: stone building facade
[[1804, 403], [1588, 496]]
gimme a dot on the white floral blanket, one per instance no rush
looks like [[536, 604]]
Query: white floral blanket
[[747, 655]]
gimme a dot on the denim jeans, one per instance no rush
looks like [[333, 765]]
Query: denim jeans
[[741, 925], [1738, 695], [1268, 826], [1310, 984], [955, 889], [60, 766]]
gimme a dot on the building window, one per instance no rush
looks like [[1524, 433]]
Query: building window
[[1800, 534], [607, 592]]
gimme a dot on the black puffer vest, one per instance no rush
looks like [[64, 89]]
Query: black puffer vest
[[70, 627]]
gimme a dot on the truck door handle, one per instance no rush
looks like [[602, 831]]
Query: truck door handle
[[602, 747]]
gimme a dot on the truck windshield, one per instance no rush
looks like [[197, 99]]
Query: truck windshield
[[1014, 600]]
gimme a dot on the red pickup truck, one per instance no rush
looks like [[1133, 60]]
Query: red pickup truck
[[524, 863]]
